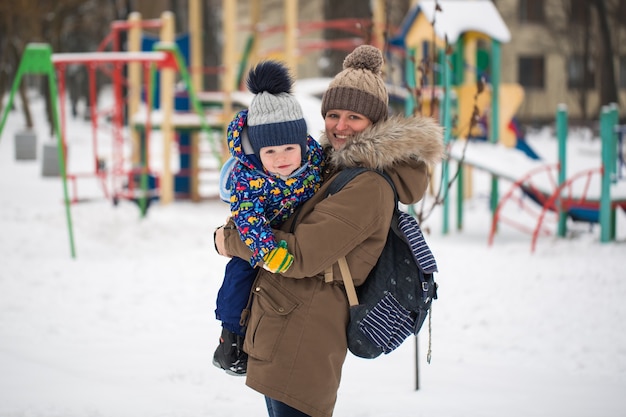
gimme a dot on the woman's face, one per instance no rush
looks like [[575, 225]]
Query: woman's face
[[342, 125]]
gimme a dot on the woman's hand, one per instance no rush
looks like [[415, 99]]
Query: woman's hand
[[218, 238]]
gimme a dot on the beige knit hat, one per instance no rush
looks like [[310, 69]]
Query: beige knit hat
[[359, 87]]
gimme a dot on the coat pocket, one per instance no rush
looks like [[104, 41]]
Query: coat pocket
[[271, 310]]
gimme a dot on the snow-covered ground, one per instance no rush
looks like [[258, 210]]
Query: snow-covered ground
[[127, 329]]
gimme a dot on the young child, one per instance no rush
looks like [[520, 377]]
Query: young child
[[275, 167]]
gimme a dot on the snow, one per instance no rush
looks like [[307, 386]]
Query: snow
[[457, 17], [515, 165], [127, 327], [107, 57]]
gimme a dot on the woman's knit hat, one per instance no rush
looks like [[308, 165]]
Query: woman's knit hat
[[359, 87], [274, 117]]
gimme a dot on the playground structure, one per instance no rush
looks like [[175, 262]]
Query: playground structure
[[147, 97], [590, 194], [447, 39], [39, 59], [475, 30], [576, 196], [119, 180], [465, 38], [180, 114], [444, 37]]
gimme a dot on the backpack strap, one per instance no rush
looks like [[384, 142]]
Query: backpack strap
[[348, 283], [348, 174], [343, 178]]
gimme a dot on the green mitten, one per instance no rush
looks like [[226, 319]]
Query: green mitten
[[278, 259]]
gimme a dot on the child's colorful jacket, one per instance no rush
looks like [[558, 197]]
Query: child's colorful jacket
[[260, 200]]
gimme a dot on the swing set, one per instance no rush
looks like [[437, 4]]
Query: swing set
[[38, 59]]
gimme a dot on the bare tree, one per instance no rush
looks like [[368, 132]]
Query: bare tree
[[67, 25], [17, 23], [395, 10], [212, 44], [608, 82], [334, 10], [586, 30]]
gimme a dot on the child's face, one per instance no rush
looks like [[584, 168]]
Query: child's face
[[342, 125], [281, 160]]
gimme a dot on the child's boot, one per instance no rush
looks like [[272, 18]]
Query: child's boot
[[229, 355]]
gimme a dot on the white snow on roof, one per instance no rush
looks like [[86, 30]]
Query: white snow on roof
[[458, 16], [106, 57]]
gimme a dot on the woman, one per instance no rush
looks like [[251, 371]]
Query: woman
[[296, 335]]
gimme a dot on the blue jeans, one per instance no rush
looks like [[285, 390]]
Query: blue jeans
[[276, 408]]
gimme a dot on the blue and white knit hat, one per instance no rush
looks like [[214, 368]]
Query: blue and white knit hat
[[275, 117]]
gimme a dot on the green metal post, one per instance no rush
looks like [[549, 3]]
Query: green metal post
[[244, 60], [143, 144], [494, 123], [409, 66], [561, 133], [409, 103], [193, 98], [614, 116], [447, 125], [608, 145], [458, 79], [614, 123]]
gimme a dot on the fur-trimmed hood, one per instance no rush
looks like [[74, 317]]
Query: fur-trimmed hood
[[398, 146], [394, 141]]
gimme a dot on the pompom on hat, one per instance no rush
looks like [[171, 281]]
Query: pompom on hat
[[275, 117], [359, 87]]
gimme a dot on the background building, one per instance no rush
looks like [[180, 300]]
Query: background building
[[566, 51]]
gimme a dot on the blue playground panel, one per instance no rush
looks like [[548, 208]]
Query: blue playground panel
[[182, 183]]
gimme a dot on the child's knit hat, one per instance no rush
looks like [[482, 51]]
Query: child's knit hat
[[359, 87], [274, 117]]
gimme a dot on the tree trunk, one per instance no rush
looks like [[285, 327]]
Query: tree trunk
[[22, 90], [4, 58], [26, 109], [608, 84], [333, 10], [395, 11], [212, 45], [584, 88]]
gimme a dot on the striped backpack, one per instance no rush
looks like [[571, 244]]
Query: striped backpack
[[396, 297]]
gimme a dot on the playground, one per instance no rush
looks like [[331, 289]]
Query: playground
[[128, 326], [165, 133], [478, 113], [125, 324]]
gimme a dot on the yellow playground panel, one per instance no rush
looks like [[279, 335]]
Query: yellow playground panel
[[511, 97], [467, 27]]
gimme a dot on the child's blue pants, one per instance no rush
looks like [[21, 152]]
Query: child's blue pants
[[233, 295]]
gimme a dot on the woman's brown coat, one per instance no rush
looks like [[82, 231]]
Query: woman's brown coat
[[296, 335]]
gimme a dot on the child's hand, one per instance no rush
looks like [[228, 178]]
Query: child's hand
[[278, 260]]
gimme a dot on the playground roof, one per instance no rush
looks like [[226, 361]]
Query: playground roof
[[457, 17]]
